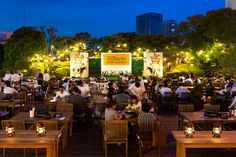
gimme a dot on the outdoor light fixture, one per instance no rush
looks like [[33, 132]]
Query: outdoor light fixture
[[189, 130], [216, 131], [40, 129], [10, 131]]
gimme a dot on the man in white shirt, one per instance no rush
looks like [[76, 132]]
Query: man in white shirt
[[137, 89], [181, 90], [61, 94], [165, 89], [46, 79], [16, 77], [8, 89], [46, 76], [8, 76], [188, 81], [84, 88]]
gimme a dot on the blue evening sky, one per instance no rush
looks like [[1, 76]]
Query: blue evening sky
[[98, 17]]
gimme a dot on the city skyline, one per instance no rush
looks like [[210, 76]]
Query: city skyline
[[101, 18]]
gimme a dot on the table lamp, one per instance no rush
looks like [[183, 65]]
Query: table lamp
[[189, 130], [216, 131], [40, 129], [10, 131]]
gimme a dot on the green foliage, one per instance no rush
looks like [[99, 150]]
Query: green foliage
[[137, 66], [229, 62], [59, 69], [205, 44], [95, 67], [187, 68], [24, 43]]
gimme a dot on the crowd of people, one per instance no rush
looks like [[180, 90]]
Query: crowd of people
[[145, 96]]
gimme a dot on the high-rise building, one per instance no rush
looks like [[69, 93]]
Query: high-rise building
[[170, 27], [230, 4], [4, 36], [149, 23]]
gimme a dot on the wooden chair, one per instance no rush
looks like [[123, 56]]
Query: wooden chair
[[18, 125], [2, 96], [21, 97], [148, 136], [210, 107], [184, 108], [185, 98], [63, 106], [168, 101], [116, 132]]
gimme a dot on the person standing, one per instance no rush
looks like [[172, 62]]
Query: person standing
[[39, 78], [46, 79], [8, 76], [16, 78], [20, 74]]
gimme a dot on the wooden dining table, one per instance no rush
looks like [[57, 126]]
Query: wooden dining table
[[66, 119], [198, 117], [203, 139], [29, 139], [204, 122]]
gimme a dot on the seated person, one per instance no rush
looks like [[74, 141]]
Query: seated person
[[62, 94], [226, 99], [8, 89], [84, 88], [165, 89], [111, 113], [181, 90], [145, 99], [77, 100], [121, 98], [233, 104], [137, 89], [98, 98], [145, 116], [134, 104]]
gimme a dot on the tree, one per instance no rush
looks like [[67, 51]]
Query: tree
[[1, 55], [23, 44]]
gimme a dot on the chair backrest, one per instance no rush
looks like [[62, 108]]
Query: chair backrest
[[149, 127], [2, 96], [186, 108], [63, 106], [116, 130], [49, 124], [21, 96], [18, 124], [146, 131]]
